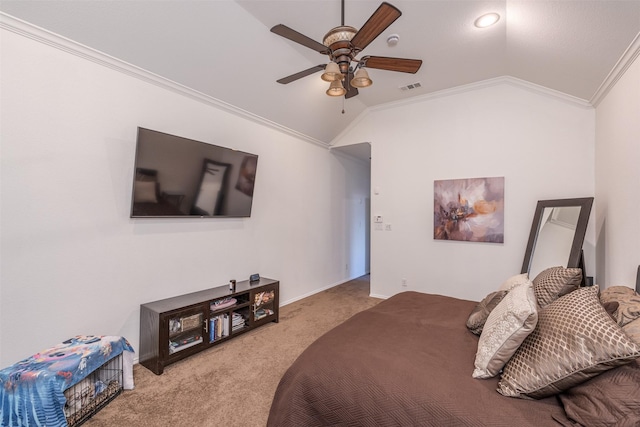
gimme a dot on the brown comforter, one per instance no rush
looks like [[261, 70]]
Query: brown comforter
[[405, 362]]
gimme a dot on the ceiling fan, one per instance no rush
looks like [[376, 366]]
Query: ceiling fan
[[342, 44]]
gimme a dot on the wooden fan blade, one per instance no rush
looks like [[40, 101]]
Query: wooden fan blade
[[293, 35], [301, 74], [392, 64], [376, 24], [351, 91]]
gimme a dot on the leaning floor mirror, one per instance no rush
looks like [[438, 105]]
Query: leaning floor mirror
[[557, 234]]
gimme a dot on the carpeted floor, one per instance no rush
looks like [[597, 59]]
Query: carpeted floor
[[232, 384]]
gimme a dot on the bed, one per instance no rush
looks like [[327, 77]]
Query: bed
[[409, 361]]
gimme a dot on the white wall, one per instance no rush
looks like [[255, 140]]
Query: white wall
[[542, 144], [617, 169], [73, 262]]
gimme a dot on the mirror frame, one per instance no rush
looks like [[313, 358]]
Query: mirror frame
[[206, 164], [585, 204]]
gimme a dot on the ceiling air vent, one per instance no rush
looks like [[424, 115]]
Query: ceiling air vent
[[415, 85]]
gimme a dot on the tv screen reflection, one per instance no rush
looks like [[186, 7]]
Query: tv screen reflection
[[181, 177]]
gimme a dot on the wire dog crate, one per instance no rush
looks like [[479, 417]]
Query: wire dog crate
[[100, 387]]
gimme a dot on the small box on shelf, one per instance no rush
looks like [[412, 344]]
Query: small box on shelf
[[191, 322], [178, 325]]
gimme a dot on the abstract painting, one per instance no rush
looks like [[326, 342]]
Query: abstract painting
[[469, 209]]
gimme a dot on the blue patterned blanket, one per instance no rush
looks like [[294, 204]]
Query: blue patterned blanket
[[32, 390]]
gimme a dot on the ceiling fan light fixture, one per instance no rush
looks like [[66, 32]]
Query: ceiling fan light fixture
[[336, 89], [487, 20], [340, 34], [332, 73], [361, 79], [342, 44]]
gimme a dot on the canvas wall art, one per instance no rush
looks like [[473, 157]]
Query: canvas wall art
[[469, 209]]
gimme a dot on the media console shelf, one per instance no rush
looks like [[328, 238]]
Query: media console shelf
[[174, 328]]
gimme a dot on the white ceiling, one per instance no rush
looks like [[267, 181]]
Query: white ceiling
[[224, 48]]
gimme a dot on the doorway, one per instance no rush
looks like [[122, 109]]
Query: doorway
[[359, 209]]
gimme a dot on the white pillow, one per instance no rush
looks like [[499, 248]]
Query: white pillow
[[513, 281], [145, 192], [513, 319]]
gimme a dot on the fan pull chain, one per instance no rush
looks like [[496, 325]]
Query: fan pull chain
[[343, 98]]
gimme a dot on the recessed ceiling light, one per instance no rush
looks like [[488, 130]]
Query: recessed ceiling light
[[487, 20]]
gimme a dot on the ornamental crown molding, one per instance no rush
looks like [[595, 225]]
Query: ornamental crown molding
[[623, 64], [38, 34]]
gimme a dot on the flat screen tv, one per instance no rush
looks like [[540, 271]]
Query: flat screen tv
[[176, 177]]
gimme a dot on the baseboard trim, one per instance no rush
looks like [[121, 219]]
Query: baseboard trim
[[379, 296]]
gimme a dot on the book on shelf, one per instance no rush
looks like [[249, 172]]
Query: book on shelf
[[184, 343], [237, 321], [218, 327], [212, 328], [225, 325], [262, 312]]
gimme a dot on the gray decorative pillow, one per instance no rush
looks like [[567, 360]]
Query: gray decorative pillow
[[555, 282], [575, 340], [628, 303], [480, 313], [632, 329], [507, 326]]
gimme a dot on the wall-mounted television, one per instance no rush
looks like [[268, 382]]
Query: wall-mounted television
[[176, 177]]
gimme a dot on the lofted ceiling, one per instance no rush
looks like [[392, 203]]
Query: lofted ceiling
[[224, 48]]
